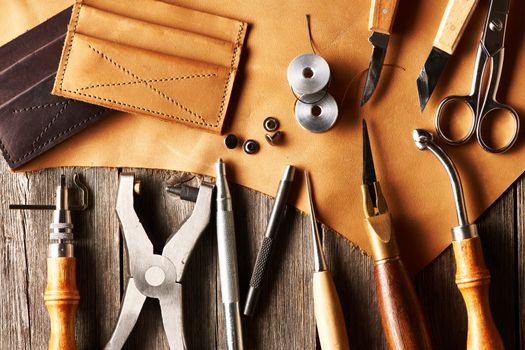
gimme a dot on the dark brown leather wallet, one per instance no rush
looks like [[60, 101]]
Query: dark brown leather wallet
[[31, 119]]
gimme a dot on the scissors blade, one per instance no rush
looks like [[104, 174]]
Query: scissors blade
[[379, 43], [429, 75]]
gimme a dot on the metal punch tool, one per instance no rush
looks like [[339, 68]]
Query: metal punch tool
[[491, 50], [153, 275]]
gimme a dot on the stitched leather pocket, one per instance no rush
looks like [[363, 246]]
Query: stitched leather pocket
[[174, 67]]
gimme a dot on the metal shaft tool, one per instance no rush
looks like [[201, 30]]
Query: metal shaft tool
[[381, 20], [401, 314], [228, 261], [328, 313], [453, 24], [272, 230], [472, 275], [61, 295]]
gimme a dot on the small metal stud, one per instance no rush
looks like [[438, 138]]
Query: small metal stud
[[251, 146], [231, 141], [274, 138], [271, 124]]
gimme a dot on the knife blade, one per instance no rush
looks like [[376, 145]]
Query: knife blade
[[381, 19], [453, 23]]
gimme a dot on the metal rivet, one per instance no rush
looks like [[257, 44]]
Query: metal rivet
[[137, 186], [231, 141], [496, 25], [270, 124], [251, 146], [275, 138]]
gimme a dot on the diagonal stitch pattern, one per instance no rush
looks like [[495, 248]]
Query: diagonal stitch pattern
[[133, 82], [47, 105], [53, 120], [151, 87]]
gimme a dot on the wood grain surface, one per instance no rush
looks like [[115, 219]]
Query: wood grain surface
[[285, 315]]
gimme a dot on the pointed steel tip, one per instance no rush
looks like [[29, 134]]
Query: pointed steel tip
[[289, 173], [369, 174], [422, 138], [220, 160], [422, 89]]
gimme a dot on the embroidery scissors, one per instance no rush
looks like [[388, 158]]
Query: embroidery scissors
[[491, 48]]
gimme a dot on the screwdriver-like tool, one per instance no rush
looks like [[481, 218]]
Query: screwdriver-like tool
[[328, 313], [382, 13], [61, 295], [472, 275], [401, 315]]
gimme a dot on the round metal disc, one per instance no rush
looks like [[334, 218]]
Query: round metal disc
[[317, 117], [308, 74]]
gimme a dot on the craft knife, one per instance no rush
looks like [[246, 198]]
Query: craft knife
[[453, 23], [382, 13]]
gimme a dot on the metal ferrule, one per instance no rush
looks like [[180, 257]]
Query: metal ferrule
[[61, 229], [460, 233], [60, 250], [378, 224]]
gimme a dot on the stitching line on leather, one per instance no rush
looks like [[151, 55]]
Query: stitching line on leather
[[53, 120], [123, 83], [232, 68], [68, 130], [223, 100], [151, 87], [38, 107]]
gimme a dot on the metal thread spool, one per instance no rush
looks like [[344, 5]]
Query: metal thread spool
[[308, 74], [317, 117]]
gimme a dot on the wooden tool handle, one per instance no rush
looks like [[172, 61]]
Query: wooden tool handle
[[328, 314], [382, 13], [455, 19], [473, 280], [401, 314], [62, 298]]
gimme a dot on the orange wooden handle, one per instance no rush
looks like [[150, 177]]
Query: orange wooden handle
[[328, 313], [382, 13], [62, 298], [401, 314], [473, 280]]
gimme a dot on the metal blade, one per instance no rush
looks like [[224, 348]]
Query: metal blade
[[369, 173], [379, 43], [429, 75]]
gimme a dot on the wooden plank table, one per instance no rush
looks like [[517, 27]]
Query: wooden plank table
[[284, 318]]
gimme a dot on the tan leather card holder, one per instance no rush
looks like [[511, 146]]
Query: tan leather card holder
[[153, 58]]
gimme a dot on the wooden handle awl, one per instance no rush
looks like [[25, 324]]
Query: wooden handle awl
[[62, 298], [401, 314], [328, 313], [473, 280], [382, 13], [455, 19]]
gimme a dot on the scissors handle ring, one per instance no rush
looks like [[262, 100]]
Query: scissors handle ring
[[486, 111], [439, 114]]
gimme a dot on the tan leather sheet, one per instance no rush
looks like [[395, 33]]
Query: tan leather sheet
[[414, 183], [151, 57]]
